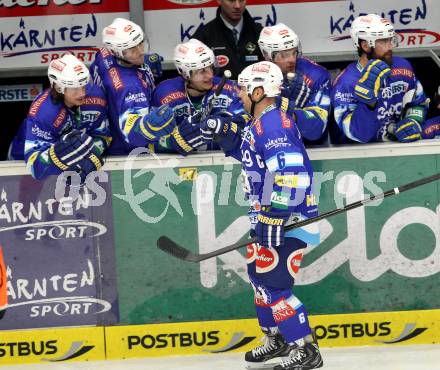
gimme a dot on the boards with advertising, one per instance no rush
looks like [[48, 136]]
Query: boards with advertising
[[375, 258], [59, 254], [34, 32]]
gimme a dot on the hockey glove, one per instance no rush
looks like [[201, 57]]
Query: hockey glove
[[408, 130], [93, 162], [70, 149], [374, 76], [154, 61], [298, 91], [431, 128], [222, 128], [270, 228], [159, 122], [186, 136]]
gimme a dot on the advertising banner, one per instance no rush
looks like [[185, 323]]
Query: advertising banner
[[373, 258], [32, 33], [190, 338], [322, 26], [52, 345], [210, 337], [59, 254], [14, 93]]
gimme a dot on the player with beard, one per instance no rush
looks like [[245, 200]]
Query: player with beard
[[378, 97], [306, 84]]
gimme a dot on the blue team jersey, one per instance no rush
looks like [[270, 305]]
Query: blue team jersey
[[356, 121], [313, 117], [129, 91], [48, 120], [277, 172], [173, 93]]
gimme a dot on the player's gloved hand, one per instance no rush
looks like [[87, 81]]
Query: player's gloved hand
[[93, 162], [373, 78], [217, 125], [158, 122], [223, 129], [431, 128], [70, 149], [408, 130], [270, 228], [298, 90], [154, 61], [186, 136]]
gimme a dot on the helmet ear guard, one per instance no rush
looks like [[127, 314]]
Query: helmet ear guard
[[121, 35], [277, 38], [67, 72]]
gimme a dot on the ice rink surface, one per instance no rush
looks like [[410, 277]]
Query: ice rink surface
[[415, 357]]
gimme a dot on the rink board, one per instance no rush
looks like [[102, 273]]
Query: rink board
[[197, 338], [76, 264], [52, 345], [381, 328]]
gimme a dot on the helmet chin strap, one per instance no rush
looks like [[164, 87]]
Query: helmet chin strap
[[370, 55], [254, 103], [190, 86], [123, 62]]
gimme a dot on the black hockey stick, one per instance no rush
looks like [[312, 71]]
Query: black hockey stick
[[226, 74], [171, 247]]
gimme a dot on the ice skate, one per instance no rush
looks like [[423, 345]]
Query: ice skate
[[302, 358], [269, 354]]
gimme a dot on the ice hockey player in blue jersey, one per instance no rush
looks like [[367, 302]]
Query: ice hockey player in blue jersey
[[190, 96], [66, 128], [278, 180], [431, 127], [128, 82], [378, 97], [306, 83]]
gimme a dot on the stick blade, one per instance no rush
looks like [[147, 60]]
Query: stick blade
[[171, 247]]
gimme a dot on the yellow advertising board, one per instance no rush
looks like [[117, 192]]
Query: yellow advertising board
[[52, 345], [363, 329], [192, 338], [378, 328]]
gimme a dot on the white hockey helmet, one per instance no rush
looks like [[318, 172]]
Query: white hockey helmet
[[277, 38], [371, 27], [191, 56], [265, 74], [67, 71], [121, 35]]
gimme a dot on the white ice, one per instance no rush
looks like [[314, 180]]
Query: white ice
[[415, 357]]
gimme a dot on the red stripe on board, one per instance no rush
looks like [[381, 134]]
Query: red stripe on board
[[184, 4], [9, 8]]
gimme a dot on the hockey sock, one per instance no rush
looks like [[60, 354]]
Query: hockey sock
[[291, 318], [264, 315]]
